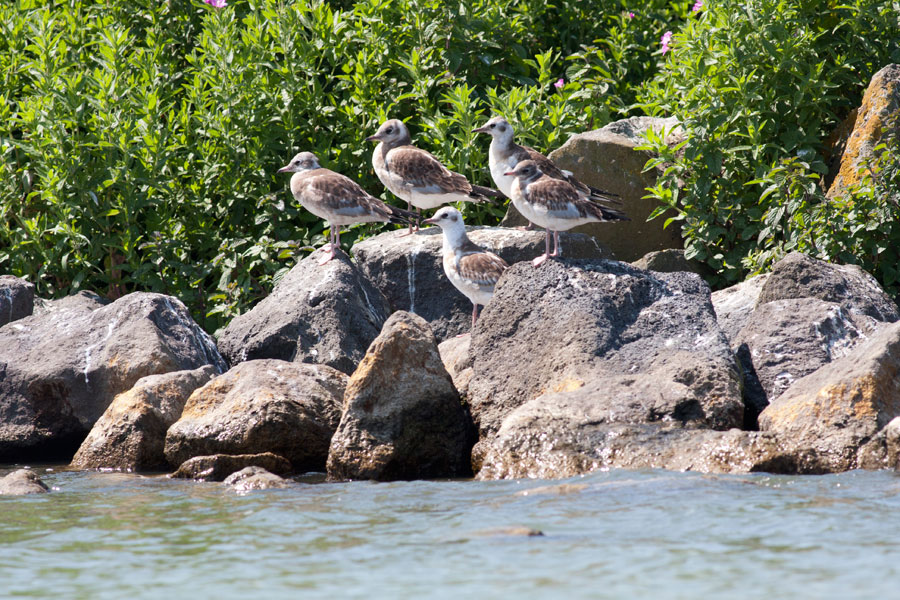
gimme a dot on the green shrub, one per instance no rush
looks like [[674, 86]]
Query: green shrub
[[139, 139], [759, 85]]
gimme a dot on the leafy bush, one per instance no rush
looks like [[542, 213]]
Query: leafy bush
[[759, 85], [139, 139]]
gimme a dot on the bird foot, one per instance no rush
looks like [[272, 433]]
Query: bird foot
[[539, 260], [328, 256]]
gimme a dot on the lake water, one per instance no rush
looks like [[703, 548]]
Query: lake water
[[617, 534]]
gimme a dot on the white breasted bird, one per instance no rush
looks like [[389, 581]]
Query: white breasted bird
[[336, 198], [505, 154], [471, 269], [554, 204], [415, 175]]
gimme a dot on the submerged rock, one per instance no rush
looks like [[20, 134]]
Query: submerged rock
[[16, 299], [830, 414], [131, 434], [326, 314], [60, 369], [21, 483], [402, 416], [289, 409], [218, 467], [255, 478], [643, 346], [408, 269]]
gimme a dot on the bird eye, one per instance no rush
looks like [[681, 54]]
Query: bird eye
[[389, 130], [493, 125], [296, 162]]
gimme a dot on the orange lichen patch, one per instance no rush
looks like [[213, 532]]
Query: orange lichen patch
[[568, 385], [880, 104]]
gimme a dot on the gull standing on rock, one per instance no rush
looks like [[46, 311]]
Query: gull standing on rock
[[471, 269], [336, 198], [415, 175], [504, 155], [554, 204]]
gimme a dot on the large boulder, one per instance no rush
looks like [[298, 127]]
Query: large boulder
[[131, 434], [326, 314], [61, 369], [219, 467], [735, 304], [458, 362], [402, 416], [16, 299], [880, 109], [83, 301], [606, 158], [646, 346], [266, 405], [830, 414], [408, 269], [22, 482]]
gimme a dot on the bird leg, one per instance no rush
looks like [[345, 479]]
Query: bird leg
[[543, 257], [330, 253], [557, 251], [412, 228], [474, 314]]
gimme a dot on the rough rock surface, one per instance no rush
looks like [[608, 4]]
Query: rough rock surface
[[735, 304], [606, 158], [268, 405], [255, 478], [800, 276], [325, 314], [880, 108], [220, 466], [402, 416], [883, 451], [669, 261], [60, 370], [829, 414], [83, 301], [16, 299], [131, 434], [545, 440], [458, 362], [785, 340], [21, 483], [644, 345], [409, 271]]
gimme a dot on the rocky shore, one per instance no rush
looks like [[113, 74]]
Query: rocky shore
[[364, 368]]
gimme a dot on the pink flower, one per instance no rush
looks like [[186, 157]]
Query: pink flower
[[697, 6], [665, 41], [559, 83], [631, 15], [216, 3]]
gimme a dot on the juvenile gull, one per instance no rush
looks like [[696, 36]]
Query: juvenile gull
[[471, 269], [415, 175], [336, 198], [504, 155], [554, 204]]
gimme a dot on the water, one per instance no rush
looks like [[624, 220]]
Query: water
[[618, 534]]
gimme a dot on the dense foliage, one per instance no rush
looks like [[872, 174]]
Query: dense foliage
[[139, 139], [759, 86]]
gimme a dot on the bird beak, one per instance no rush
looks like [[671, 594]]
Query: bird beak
[[510, 173], [482, 129], [431, 220], [284, 169], [373, 138]]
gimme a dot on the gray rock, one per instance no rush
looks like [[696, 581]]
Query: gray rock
[[131, 434], [735, 304], [606, 158], [255, 478], [402, 416], [458, 361], [16, 299], [622, 334], [218, 467], [799, 276], [883, 451], [785, 340], [830, 414], [669, 261], [316, 314], [21, 483], [409, 271], [83, 301], [289, 409], [546, 440], [60, 370]]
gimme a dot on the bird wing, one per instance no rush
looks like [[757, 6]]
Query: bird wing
[[560, 200], [480, 266], [341, 196], [424, 173]]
